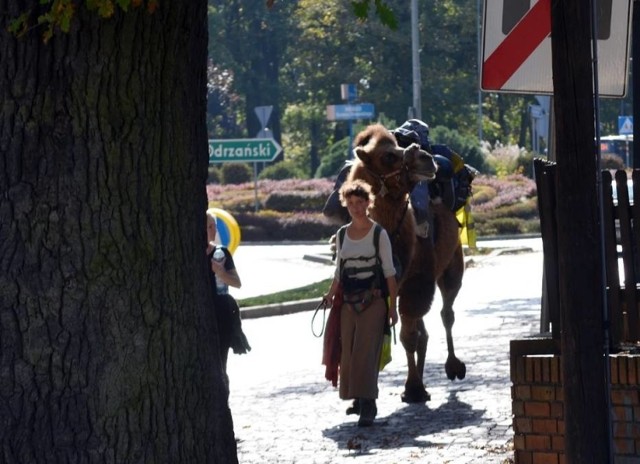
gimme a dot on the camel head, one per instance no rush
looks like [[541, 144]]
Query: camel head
[[420, 165], [387, 166]]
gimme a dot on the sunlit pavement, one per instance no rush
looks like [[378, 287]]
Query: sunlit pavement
[[284, 410], [266, 269]]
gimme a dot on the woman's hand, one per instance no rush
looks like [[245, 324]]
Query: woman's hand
[[328, 297], [218, 266], [393, 315]]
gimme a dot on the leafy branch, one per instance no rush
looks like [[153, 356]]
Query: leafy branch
[[361, 10], [55, 15]]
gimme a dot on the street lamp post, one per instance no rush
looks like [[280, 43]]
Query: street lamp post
[[415, 55]]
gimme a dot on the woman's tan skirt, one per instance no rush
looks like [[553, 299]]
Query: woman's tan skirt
[[362, 334]]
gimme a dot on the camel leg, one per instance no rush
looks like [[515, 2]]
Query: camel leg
[[422, 350], [414, 337], [449, 284], [415, 298]]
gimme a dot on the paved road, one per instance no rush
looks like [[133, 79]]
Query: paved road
[[266, 269], [285, 412]]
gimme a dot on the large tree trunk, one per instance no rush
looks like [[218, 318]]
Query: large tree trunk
[[107, 342], [580, 260]]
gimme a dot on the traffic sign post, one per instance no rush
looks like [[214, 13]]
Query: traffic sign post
[[348, 92], [516, 46], [625, 125], [243, 150], [263, 113], [350, 112]]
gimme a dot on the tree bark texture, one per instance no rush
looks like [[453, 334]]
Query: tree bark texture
[[108, 348], [579, 237]]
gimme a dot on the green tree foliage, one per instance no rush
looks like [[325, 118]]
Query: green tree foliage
[[280, 171], [307, 134], [50, 15], [317, 63], [317, 46], [361, 9], [213, 176], [334, 160], [249, 39], [224, 105], [465, 146], [449, 58]]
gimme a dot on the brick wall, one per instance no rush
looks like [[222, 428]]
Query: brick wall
[[538, 408]]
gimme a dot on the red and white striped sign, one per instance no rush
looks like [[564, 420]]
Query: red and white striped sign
[[516, 46]]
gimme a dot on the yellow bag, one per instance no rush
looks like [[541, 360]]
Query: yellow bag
[[385, 354], [468, 230]]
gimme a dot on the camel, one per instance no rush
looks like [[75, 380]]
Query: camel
[[436, 259]]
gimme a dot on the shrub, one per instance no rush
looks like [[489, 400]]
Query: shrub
[[236, 173], [526, 209], [503, 159], [509, 190], [280, 171], [322, 186], [524, 164], [240, 201], [307, 226], [214, 175], [242, 197], [610, 161], [499, 206], [466, 146], [332, 162], [482, 193], [295, 201], [504, 226], [270, 226]]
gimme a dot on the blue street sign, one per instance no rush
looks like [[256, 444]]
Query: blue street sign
[[349, 92], [350, 112], [625, 125]]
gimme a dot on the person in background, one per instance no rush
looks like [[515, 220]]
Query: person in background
[[362, 319], [223, 274]]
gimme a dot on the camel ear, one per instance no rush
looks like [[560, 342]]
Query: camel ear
[[361, 153], [413, 146]]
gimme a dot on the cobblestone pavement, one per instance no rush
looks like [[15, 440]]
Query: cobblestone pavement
[[284, 410]]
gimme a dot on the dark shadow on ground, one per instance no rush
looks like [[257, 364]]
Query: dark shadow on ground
[[498, 307], [406, 427]]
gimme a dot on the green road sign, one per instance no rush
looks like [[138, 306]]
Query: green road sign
[[243, 150]]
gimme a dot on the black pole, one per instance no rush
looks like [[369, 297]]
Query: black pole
[[586, 417], [635, 78]]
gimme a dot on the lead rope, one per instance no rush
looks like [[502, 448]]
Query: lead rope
[[323, 305], [383, 177], [396, 232]]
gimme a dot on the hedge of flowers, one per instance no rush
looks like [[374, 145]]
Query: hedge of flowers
[[275, 210]]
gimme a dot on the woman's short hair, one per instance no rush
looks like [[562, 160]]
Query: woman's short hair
[[356, 187]]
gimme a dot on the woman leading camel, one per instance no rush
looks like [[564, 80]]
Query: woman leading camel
[[362, 274]]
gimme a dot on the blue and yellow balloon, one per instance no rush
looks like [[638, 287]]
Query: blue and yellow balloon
[[228, 229]]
